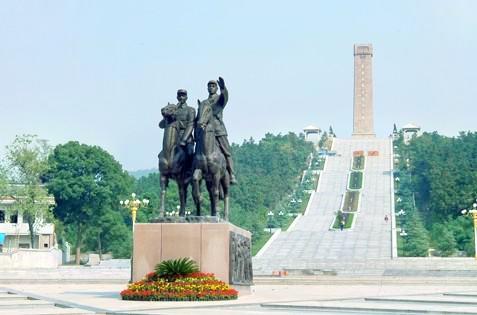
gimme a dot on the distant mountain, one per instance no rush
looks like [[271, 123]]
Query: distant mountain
[[140, 173]]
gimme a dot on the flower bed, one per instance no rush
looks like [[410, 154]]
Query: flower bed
[[351, 201], [196, 286], [348, 220], [358, 162], [356, 180]]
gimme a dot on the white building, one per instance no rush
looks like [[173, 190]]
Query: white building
[[409, 131], [312, 134], [16, 233]]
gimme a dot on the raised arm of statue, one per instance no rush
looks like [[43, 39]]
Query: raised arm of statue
[[224, 93]]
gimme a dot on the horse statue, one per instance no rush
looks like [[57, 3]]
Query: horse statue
[[172, 159], [209, 164]]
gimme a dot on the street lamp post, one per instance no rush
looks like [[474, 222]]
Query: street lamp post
[[280, 217], [473, 213], [403, 235], [270, 217], [133, 205]]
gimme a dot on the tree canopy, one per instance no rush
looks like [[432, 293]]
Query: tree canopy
[[87, 183], [444, 179], [26, 160]]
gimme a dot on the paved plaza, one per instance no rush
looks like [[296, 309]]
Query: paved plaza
[[301, 295]]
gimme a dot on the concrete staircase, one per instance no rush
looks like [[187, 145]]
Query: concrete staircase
[[311, 244]]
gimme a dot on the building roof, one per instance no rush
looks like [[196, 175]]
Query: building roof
[[410, 126], [312, 128], [9, 199]]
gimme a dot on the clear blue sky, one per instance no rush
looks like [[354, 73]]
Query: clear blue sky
[[99, 71]]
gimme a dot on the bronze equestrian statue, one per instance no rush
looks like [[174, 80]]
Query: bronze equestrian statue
[[175, 159], [212, 158]]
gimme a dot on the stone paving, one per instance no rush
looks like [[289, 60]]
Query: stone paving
[[13, 303], [413, 297], [312, 244]]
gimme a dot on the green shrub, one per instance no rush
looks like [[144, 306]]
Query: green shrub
[[348, 218], [358, 162], [356, 180], [170, 269]]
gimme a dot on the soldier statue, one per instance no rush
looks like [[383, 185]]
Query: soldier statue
[[184, 120], [217, 103], [175, 159]]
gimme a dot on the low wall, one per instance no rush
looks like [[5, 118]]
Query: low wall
[[31, 258]]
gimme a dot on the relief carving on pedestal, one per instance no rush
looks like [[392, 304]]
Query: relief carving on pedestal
[[241, 272]]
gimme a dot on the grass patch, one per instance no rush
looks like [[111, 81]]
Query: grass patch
[[356, 180], [260, 242], [287, 222], [348, 220], [351, 201], [358, 163], [304, 203]]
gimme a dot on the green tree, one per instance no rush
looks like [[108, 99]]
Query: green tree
[[444, 180], [109, 236], [268, 171], [463, 230], [323, 140], [443, 239], [27, 159], [87, 183], [416, 243], [3, 180]]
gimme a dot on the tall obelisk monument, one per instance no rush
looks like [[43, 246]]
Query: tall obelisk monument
[[363, 126]]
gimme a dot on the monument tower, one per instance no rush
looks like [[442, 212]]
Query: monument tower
[[363, 125]]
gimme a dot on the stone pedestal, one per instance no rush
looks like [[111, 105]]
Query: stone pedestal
[[220, 248]]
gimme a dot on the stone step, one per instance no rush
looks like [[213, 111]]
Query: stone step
[[53, 310], [463, 294], [371, 307], [25, 303], [365, 280], [11, 296], [423, 299]]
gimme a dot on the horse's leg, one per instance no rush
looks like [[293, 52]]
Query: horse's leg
[[225, 183], [164, 183], [213, 202], [214, 197], [196, 180], [182, 196]]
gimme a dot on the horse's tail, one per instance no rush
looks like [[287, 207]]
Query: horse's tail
[[221, 192]]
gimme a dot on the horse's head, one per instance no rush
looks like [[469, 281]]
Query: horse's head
[[204, 115], [169, 112], [170, 138]]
